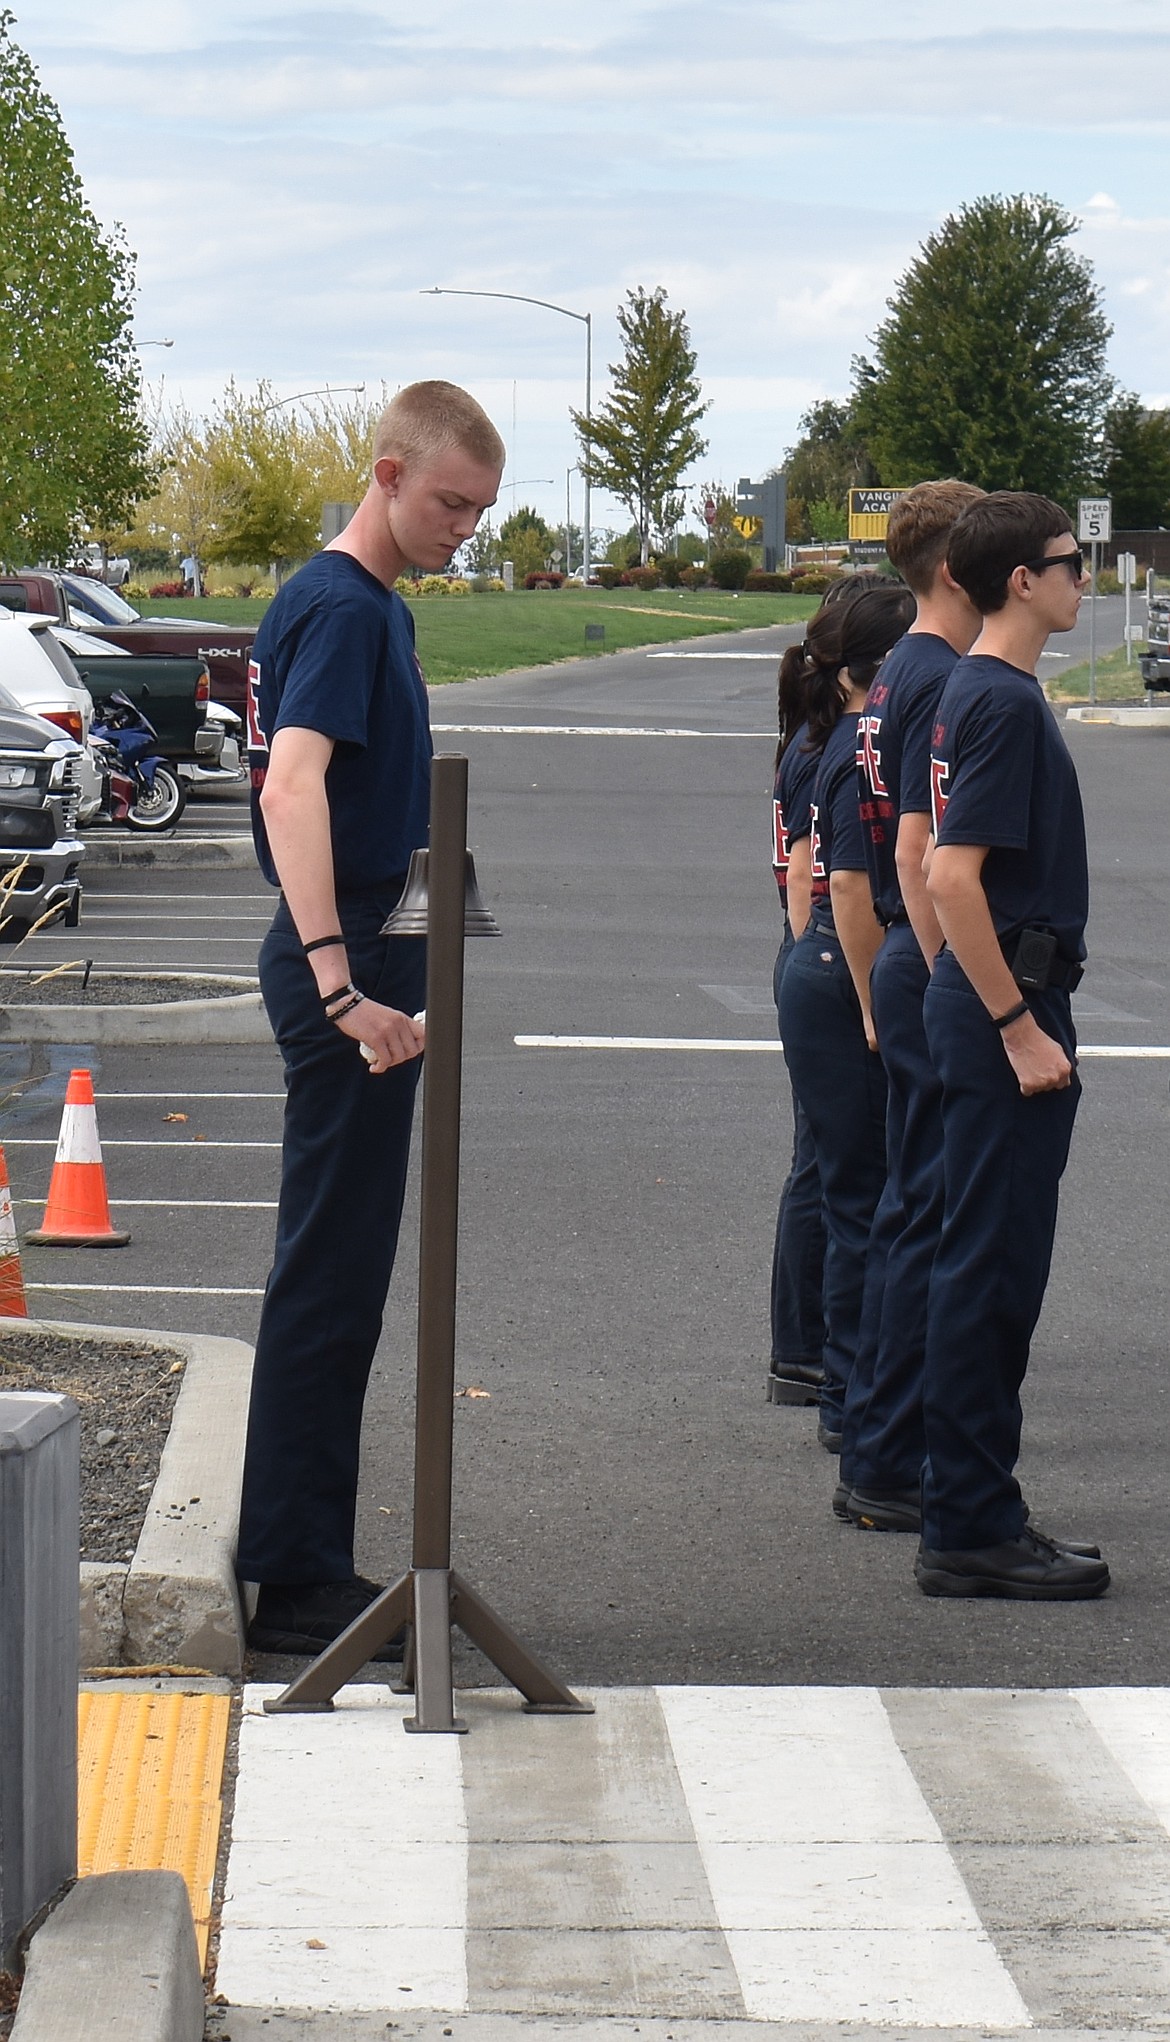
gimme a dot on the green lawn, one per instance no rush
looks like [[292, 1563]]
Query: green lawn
[[1115, 681], [491, 634]]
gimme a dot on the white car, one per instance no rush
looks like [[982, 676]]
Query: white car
[[38, 673]]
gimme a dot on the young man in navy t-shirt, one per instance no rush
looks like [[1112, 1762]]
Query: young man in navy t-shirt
[[1008, 880], [882, 1446], [340, 750]]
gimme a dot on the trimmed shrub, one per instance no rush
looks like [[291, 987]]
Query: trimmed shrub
[[761, 583], [486, 585], [670, 570], [170, 589], [694, 577], [544, 578], [814, 583], [641, 577], [1108, 583], [730, 567], [609, 576]]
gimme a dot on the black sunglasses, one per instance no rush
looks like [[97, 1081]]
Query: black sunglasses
[[1074, 560]]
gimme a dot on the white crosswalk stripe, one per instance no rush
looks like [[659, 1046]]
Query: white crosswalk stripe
[[904, 1860]]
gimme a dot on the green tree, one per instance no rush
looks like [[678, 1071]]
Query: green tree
[[644, 435], [186, 511], [827, 520], [1135, 464], [73, 441], [829, 459], [722, 529], [263, 477], [991, 365], [526, 541]]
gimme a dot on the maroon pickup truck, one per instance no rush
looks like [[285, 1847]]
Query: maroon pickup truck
[[89, 606]]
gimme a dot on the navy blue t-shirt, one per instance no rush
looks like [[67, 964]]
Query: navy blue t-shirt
[[335, 653], [792, 802], [1001, 775], [893, 754], [837, 844]]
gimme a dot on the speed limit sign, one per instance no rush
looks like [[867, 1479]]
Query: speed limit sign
[[1094, 520]]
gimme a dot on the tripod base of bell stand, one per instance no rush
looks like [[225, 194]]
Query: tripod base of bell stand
[[430, 1600]]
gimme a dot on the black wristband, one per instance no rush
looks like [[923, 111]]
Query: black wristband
[[321, 943], [1013, 1014], [328, 998], [338, 1013]]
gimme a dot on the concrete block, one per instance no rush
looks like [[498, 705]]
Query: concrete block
[[39, 1479], [117, 1958], [102, 1587], [182, 1606]]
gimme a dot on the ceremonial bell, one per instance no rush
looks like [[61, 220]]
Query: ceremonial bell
[[409, 918]]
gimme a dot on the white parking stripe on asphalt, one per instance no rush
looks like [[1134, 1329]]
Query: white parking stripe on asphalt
[[587, 730], [216, 898], [831, 1878], [153, 1290], [714, 1042], [183, 1145], [181, 1092], [181, 1204], [1134, 1725]]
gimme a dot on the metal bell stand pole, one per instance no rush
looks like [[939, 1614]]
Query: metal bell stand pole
[[431, 1597]]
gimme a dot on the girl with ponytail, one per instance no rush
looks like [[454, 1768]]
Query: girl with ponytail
[[809, 704], [825, 1024]]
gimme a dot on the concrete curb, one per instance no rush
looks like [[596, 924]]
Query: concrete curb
[[117, 1958], [1129, 716], [198, 854], [236, 1018], [177, 1603]]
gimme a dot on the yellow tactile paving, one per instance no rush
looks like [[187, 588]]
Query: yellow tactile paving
[[149, 1770]]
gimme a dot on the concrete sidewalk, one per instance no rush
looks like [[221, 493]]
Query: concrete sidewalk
[[799, 1859]]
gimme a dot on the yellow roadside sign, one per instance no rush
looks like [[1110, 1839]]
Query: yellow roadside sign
[[869, 511]]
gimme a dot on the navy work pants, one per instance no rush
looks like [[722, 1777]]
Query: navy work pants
[[884, 1444], [798, 1256], [343, 1179], [1003, 1157], [842, 1087]]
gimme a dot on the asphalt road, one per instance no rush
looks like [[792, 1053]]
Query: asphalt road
[[624, 1494]]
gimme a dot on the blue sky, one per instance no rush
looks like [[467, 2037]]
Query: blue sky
[[292, 179]]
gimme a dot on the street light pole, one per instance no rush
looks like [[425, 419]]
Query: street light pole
[[586, 320], [330, 390]]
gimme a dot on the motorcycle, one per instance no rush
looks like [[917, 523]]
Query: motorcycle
[[218, 744], [139, 786]]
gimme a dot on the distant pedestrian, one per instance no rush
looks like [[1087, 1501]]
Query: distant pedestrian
[[1008, 881], [340, 748]]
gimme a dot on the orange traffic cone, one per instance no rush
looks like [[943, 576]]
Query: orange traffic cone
[[12, 1304], [78, 1212]]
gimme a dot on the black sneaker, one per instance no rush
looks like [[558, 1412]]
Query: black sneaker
[[899, 1510], [304, 1617], [794, 1382], [842, 1496], [829, 1433], [1028, 1569]]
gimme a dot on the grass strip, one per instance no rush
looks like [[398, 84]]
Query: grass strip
[[462, 637], [1115, 681]]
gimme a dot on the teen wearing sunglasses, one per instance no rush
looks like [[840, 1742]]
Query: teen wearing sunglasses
[[1008, 878]]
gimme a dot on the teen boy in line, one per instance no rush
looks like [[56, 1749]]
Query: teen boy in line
[[340, 749], [882, 1444], [1008, 880]]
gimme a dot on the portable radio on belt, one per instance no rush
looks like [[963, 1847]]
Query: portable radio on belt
[[1032, 963]]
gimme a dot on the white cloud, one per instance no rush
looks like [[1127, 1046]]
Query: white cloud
[[292, 180]]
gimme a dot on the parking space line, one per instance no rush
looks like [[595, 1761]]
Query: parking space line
[[70, 936], [181, 1204], [182, 1146], [268, 898], [588, 730], [179, 1092], [1114, 1051], [92, 921], [154, 1290]]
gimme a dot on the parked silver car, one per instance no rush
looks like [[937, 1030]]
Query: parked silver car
[[40, 783]]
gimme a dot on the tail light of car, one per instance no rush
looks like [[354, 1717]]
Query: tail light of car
[[203, 687], [68, 720]]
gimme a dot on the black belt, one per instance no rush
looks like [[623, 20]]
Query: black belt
[[898, 920]]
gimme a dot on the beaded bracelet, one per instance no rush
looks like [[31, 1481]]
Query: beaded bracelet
[[348, 1008]]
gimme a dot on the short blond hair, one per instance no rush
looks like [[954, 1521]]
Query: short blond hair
[[920, 526], [426, 419]]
